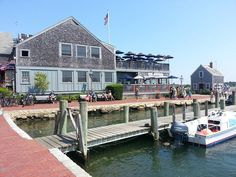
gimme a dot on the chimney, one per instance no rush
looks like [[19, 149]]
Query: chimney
[[211, 65]]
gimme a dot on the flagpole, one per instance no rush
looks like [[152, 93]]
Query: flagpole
[[108, 28]]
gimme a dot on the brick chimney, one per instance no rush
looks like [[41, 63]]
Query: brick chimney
[[211, 65]]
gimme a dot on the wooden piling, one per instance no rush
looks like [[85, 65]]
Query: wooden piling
[[166, 108], [222, 104], [84, 123], [63, 117], [174, 111], [206, 108], [126, 113], [57, 121], [154, 123], [233, 98], [196, 109], [184, 112], [217, 100]]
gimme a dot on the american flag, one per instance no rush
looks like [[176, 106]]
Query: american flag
[[106, 19]]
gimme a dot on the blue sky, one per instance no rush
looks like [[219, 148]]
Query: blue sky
[[194, 32]]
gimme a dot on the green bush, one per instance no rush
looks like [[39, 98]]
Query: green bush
[[205, 92], [116, 90], [68, 97], [5, 92]]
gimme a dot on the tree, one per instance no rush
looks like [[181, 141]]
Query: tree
[[41, 82]]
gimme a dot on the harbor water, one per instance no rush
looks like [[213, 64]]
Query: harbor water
[[143, 157]]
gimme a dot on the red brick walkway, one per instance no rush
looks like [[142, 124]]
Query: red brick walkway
[[20, 157]]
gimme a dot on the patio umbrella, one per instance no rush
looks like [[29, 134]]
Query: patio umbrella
[[138, 77], [140, 55], [129, 53], [126, 57], [119, 52], [157, 59], [159, 56], [171, 77], [150, 55], [168, 57], [118, 57]]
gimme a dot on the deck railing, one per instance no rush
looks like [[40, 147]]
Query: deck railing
[[158, 88], [142, 65]]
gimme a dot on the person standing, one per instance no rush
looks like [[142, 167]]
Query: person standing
[[136, 92]]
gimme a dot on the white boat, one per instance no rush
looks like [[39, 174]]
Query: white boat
[[209, 130]]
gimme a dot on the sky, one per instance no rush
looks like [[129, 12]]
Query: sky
[[193, 32]]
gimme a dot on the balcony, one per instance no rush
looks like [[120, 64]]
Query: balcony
[[137, 65]]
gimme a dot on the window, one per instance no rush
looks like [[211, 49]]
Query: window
[[66, 76], [65, 49], [95, 52], [195, 86], [96, 77], [24, 53], [25, 77], [201, 74], [108, 76], [208, 86], [82, 76], [81, 51]]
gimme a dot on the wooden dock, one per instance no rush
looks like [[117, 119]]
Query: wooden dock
[[112, 133], [98, 136]]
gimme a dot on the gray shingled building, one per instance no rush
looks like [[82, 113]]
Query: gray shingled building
[[206, 77]]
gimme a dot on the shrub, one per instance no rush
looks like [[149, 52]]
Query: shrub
[[116, 90], [41, 82], [5, 92]]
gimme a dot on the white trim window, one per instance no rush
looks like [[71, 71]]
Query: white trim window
[[108, 76], [81, 51], [82, 76], [96, 76], [208, 86], [66, 49], [194, 86], [24, 53], [201, 74], [25, 77], [95, 52], [67, 76]]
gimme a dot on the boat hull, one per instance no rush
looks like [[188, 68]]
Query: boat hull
[[213, 139]]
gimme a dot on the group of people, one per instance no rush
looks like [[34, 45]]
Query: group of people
[[180, 92], [93, 97]]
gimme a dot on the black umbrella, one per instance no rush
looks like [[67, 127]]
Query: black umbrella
[[150, 55], [118, 57], [172, 77], [127, 57], [159, 56], [158, 59], [130, 53], [140, 55], [168, 57], [119, 52]]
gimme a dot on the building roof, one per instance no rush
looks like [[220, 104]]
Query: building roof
[[6, 44], [212, 71], [107, 46]]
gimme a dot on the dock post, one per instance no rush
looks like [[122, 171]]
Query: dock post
[[206, 108], [233, 98], [173, 115], [154, 123], [217, 100], [166, 108], [126, 113], [84, 120], [222, 104], [63, 117], [57, 122], [196, 109], [184, 112]]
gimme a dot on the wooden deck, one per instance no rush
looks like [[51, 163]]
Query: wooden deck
[[98, 136], [112, 133]]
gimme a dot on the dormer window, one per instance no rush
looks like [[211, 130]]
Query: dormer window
[[24, 53], [201, 74]]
